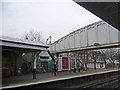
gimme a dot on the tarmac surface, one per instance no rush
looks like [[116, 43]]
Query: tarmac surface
[[28, 78]]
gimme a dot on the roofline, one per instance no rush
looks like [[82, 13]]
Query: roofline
[[96, 1], [20, 41], [78, 30]]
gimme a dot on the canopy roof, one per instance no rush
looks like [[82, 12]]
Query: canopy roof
[[8, 42], [108, 10]]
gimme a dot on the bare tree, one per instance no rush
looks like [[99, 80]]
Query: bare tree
[[94, 54], [111, 54], [34, 36], [83, 57]]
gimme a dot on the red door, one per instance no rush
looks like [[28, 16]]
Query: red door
[[65, 63]]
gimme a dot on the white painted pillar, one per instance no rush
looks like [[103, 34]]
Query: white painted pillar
[[68, 62], [69, 59], [59, 63], [34, 68], [34, 62]]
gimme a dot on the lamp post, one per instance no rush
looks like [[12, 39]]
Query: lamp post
[[50, 39], [47, 40]]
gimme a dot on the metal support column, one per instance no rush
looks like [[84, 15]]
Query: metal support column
[[34, 68], [69, 59]]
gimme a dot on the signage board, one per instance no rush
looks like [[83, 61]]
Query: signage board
[[64, 62]]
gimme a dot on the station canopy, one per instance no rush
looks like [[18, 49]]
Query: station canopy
[[12, 44], [108, 10]]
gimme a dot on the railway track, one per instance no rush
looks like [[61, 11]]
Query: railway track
[[108, 82]]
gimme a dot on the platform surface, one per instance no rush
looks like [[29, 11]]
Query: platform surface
[[27, 79]]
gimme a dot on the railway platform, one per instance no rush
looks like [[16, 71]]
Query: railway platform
[[47, 77]]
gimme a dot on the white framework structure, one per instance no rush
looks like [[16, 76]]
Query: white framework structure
[[96, 35]]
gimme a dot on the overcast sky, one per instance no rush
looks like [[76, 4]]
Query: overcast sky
[[50, 17]]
